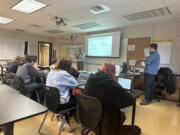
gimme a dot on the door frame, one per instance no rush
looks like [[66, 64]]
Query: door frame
[[50, 50]]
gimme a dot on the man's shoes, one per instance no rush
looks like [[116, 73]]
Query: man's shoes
[[145, 102]]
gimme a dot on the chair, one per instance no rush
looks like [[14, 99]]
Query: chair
[[52, 102], [88, 112]]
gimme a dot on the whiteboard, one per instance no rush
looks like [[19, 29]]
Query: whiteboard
[[10, 48], [164, 49]]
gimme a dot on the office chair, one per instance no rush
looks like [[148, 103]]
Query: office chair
[[88, 113], [52, 102], [158, 87]]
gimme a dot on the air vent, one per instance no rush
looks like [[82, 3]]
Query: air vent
[[101, 8], [87, 25], [54, 31], [20, 30], [148, 14]]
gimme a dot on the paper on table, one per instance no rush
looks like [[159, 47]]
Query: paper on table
[[146, 52], [132, 62], [131, 47]]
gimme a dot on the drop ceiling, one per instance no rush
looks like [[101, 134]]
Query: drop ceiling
[[77, 12]]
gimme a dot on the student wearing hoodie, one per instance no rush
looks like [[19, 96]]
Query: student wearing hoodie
[[27, 72], [113, 97]]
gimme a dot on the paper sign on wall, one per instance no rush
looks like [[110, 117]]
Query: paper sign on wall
[[131, 47], [63, 50], [132, 62], [146, 52]]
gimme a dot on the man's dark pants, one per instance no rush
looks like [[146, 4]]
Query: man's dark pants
[[148, 85]]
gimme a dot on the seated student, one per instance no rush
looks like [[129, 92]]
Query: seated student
[[53, 64], [61, 78], [35, 65], [27, 72], [74, 72], [113, 98], [14, 65]]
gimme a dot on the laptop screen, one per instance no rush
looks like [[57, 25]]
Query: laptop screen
[[125, 83], [83, 77]]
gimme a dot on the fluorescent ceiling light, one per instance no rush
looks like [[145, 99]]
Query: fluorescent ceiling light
[[28, 6], [5, 20], [87, 25], [101, 8], [148, 14]]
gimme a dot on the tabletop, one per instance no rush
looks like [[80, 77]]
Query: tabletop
[[15, 107]]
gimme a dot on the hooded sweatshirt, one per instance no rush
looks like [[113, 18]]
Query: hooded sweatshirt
[[27, 72]]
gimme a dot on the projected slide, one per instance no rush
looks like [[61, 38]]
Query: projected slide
[[100, 46]]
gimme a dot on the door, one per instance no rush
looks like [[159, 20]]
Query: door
[[44, 54]]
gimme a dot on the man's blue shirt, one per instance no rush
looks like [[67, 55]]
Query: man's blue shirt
[[152, 63]]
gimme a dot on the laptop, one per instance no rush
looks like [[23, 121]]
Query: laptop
[[82, 79], [126, 83]]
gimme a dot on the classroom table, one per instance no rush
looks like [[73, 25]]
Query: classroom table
[[15, 107]]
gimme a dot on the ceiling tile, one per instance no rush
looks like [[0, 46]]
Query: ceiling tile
[[77, 12], [172, 2]]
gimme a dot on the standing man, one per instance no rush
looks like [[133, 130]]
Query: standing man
[[151, 69], [80, 60]]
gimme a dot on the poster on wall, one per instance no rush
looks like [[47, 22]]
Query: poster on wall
[[74, 51], [132, 62], [131, 47], [63, 51]]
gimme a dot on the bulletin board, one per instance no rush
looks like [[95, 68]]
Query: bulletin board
[[137, 47]]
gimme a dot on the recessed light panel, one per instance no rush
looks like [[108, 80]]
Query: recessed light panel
[[148, 14], [20, 30], [5, 20], [101, 8], [87, 25], [28, 6]]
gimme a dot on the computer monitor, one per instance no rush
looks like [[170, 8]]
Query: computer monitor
[[126, 83], [83, 77]]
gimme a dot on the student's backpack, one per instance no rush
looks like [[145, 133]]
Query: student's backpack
[[15, 82], [18, 84], [7, 79]]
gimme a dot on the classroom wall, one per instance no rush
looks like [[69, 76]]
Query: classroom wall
[[66, 40], [32, 39], [158, 31]]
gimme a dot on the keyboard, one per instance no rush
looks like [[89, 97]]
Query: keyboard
[[136, 93]]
